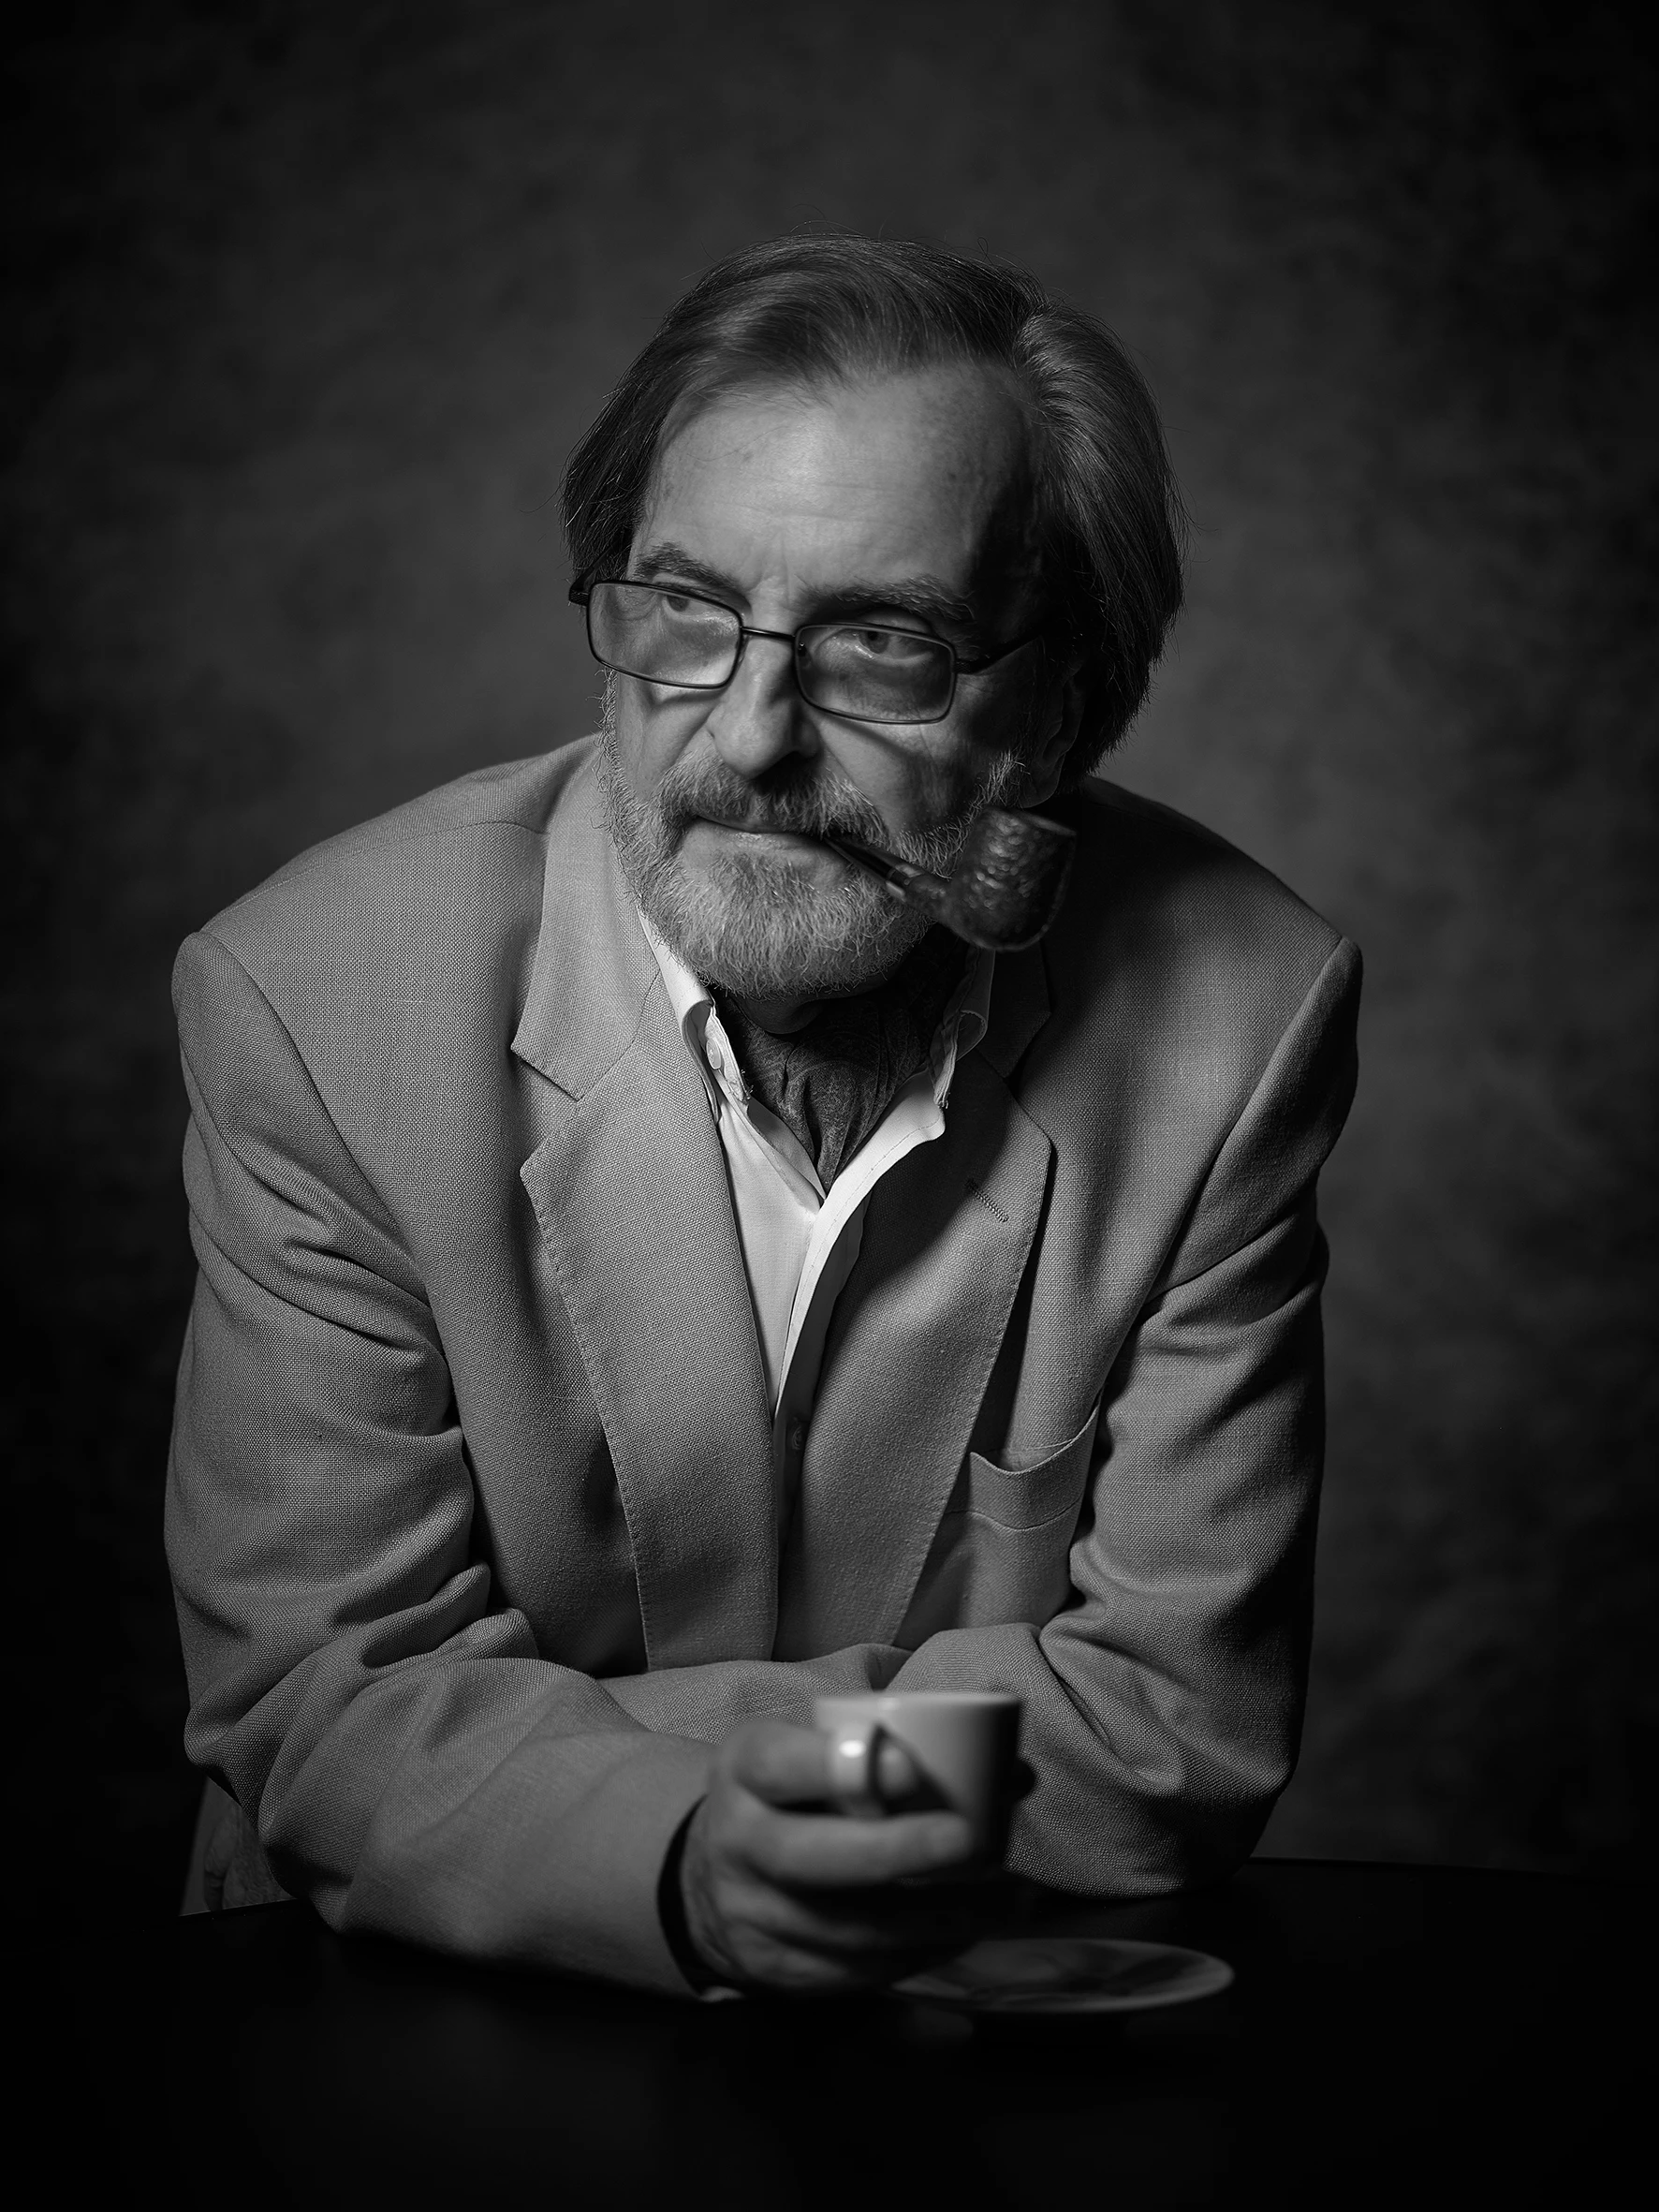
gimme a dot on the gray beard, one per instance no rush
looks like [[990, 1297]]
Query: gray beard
[[759, 929]]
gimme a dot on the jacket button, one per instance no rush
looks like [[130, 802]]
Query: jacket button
[[796, 1440]]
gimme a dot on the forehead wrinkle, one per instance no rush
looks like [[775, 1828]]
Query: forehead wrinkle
[[979, 457]]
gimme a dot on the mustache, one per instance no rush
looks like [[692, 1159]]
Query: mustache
[[797, 802]]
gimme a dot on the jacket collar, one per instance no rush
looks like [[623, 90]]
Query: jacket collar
[[629, 1189], [593, 971]]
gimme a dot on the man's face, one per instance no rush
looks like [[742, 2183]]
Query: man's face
[[898, 502]]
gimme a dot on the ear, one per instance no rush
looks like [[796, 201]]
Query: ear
[[1062, 718]]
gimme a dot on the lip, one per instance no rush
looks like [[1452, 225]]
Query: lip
[[713, 821]]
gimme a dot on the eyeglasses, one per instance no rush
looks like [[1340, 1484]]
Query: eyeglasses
[[862, 672]]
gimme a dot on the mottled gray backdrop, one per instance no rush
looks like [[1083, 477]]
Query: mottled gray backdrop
[[311, 300]]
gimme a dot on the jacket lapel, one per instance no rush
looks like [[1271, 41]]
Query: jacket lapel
[[916, 1335], [629, 1188]]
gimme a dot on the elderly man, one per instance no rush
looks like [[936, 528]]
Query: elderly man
[[649, 1278]]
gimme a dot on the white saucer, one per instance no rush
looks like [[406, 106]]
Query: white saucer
[[1022, 1975]]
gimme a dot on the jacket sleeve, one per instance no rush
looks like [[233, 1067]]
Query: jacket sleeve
[[1164, 1702], [410, 1762]]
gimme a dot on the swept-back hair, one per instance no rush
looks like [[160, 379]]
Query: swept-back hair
[[818, 309]]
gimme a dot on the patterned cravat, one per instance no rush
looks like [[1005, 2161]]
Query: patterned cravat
[[830, 1084]]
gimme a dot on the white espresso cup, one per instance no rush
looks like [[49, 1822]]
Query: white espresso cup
[[963, 1743]]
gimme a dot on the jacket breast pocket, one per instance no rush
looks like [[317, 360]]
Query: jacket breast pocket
[[1003, 1542]]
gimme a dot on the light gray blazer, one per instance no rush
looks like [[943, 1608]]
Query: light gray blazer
[[470, 1504]]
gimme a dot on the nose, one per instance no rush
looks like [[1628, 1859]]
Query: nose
[[760, 717]]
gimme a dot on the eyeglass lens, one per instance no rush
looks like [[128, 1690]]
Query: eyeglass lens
[[877, 675]]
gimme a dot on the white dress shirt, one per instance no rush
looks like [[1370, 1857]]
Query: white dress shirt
[[799, 1242]]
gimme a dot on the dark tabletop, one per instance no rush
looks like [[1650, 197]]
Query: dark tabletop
[[1394, 2034]]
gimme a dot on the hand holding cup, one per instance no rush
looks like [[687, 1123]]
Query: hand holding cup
[[782, 1891], [894, 1750]]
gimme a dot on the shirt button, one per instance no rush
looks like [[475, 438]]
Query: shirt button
[[796, 1438]]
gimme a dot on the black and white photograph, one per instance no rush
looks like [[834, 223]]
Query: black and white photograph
[[830, 1034]]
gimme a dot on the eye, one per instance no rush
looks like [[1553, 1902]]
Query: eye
[[689, 611], [886, 644]]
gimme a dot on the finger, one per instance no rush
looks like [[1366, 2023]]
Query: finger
[[842, 1931], [919, 1909], [786, 1765], [775, 1924], [899, 1782], [778, 1763], [826, 1852], [766, 1936]]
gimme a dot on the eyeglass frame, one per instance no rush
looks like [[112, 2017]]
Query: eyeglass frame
[[580, 595]]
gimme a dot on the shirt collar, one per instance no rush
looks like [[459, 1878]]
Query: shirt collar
[[966, 1017]]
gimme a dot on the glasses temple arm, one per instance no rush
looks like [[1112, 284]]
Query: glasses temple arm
[[971, 668]]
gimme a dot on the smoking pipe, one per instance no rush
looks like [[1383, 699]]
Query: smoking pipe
[[1008, 882]]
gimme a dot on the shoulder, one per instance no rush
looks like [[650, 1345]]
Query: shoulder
[[1160, 900], [1141, 866], [464, 836], [1181, 972], [429, 898]]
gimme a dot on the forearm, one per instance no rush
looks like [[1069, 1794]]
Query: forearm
[[552, 1859], [1136, 1791], [707, 1702], [486, 1804]]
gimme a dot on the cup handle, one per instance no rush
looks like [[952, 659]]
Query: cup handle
[[855, 1746]]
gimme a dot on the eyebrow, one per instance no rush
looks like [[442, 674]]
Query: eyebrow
[[924, 597]]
